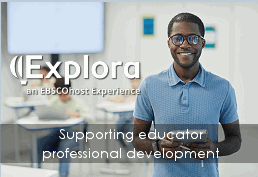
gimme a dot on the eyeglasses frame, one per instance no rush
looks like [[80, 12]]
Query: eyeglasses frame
[[185, 38]]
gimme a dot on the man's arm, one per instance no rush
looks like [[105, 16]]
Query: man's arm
[[139, 144], [232, 142], [230, 145]]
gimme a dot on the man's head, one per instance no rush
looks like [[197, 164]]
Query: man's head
[[186, 17], [44, 71], [187, 51], [60, 83]]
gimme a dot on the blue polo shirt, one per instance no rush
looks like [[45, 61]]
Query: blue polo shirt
[[167, 100]]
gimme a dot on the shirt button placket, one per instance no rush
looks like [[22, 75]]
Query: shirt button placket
[[185, 98]]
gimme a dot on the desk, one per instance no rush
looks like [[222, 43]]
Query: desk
[[112, 107], [115, 108], [10, 171], [25, 104], [11, 103], [35, 125]]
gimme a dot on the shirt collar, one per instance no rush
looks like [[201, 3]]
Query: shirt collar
[[173, 78]]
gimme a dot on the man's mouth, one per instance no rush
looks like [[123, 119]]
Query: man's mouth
[[185, 54]]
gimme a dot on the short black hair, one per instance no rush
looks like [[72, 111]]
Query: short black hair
[[46, 68], [60, 82], [186, 17]]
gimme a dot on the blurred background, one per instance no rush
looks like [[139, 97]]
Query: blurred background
[[232, 58], [231, 29]]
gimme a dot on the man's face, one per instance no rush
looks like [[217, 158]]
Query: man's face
[[186, 55], [44, 73]]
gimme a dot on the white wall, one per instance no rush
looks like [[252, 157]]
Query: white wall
[[120, 45], [244, 65], [233, 58], [10, 86]]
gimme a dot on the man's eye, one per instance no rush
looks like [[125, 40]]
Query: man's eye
[[191, 38], [195, 39], [177, 39]]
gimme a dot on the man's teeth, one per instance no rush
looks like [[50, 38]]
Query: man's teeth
[[185, 53]]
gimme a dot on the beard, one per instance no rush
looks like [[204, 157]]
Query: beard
[[188, 65]]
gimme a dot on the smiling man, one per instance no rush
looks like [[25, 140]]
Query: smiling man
[[186, 94]]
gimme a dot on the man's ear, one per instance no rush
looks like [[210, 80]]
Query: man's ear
[[203, 43], [168, 44]]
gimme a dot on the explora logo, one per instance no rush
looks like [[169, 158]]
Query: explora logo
[[12, 68], [68, 75]]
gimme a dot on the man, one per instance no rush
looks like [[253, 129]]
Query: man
[[74, 108], [186, 94]]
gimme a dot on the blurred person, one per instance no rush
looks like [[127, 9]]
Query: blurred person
[[43, 82], [74, 108], [186, 94], [125, 120]]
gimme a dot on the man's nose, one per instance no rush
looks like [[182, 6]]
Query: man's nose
[[185, 44]]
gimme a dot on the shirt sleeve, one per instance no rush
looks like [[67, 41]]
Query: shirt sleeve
[[228, 113], [143, 108]]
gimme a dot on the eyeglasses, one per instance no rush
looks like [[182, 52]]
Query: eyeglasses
[[192, 39]]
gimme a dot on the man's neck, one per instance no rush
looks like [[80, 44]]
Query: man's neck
[[186, 75]]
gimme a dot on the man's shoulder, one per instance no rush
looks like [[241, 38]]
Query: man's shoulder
[[159, 77], [215, 79]]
